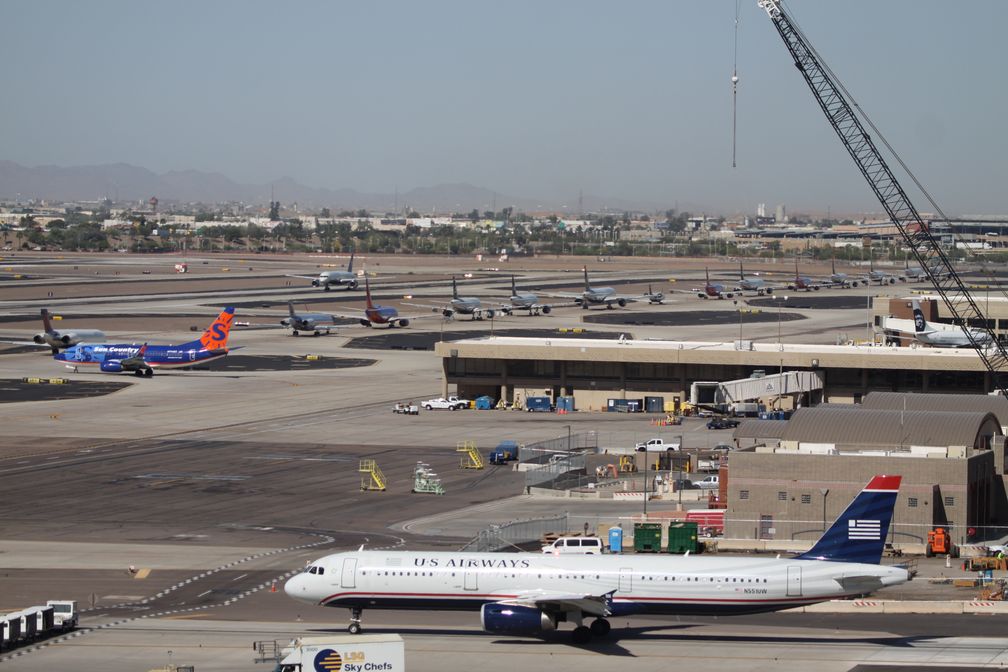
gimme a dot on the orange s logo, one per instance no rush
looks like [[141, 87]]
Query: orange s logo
[[216, 336]]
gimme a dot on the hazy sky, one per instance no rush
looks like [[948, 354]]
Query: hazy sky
[[530, 98]]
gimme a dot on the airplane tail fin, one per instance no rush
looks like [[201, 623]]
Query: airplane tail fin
[[707, 274], [216, 335], [920, 324], [587, 287], [367, 293], [290, 308], [46, 324], [454, 288], [741, 273], [349, 266], [859, 534], [833, 264], [514, 291]]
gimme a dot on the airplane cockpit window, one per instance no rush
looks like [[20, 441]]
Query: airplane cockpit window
[[321, 570]]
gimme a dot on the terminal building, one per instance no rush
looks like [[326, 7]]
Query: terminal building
[[597, 371]]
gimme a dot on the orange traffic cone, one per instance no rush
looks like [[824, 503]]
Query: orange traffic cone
[[273, 587]]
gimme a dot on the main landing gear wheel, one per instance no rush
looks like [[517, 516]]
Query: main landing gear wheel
[[295, 333], [354, 628], [581, 635], [600, 627]]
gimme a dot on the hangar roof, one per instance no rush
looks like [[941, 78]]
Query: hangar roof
[[852, 425], [961, 403], [760, 429]]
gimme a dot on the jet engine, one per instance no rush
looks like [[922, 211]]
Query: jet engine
[[353, 284], [622, 303], [510, 619], [365, 323], [113, 366], [490, 314], [447, 313], [403, 323], [39, 338], [315, 283], [546, 310]]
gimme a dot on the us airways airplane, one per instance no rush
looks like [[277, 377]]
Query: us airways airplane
[[460, 305], [529, 594], [524, 301], [142, 360], [595, 296]]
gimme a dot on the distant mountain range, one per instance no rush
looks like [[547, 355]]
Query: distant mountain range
[[124, 182]]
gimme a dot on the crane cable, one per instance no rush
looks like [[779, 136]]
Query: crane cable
[[734, 83]]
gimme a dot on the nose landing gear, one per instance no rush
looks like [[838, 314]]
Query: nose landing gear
[[355, 617]]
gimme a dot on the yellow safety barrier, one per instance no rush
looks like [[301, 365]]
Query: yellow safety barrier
[[314, 358]]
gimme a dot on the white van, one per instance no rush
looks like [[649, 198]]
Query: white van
[[579, 545]]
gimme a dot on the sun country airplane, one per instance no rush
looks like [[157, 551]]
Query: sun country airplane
[[524, 301], [949, 337], [713, 291], [143, 359], [325, 279], [596, 296], [313, 322], [57, 339], [375, 314], [530, 593]]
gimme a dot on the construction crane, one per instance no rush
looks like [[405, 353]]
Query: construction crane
[[833, 99]]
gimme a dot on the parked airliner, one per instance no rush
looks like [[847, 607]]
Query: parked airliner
[[313, 322], [840, 279], [461, 305], [715, 291], [143, 359], [529, 594], [57, 339], [949, 337], [752, 284]]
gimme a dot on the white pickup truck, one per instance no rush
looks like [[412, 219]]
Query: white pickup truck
[[656, 446], [451, 403], [407, 408]]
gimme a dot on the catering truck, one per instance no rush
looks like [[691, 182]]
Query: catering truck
[[349, 653]]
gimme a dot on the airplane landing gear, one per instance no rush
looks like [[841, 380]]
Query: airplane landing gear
[[600, 627], [581, 635], [295, 333], [355, 616]]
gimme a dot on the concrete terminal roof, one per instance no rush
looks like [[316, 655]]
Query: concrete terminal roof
[[852, 425], [960, 403], [700, 352], [760, 429]]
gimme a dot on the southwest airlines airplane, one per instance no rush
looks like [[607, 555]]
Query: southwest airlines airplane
[[142, 360], [528, 594]]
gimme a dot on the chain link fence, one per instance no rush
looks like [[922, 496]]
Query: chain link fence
[[510, 536]]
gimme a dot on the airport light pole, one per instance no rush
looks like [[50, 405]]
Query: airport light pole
[[679, 485], [779, 320], [568, 438]]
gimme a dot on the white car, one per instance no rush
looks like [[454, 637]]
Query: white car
[[709, 483]]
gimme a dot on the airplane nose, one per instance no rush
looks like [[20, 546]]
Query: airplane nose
[[295, 587]]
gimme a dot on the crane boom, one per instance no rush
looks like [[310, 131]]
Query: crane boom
[[890, 193]]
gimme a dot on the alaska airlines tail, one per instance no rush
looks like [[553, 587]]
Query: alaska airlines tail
[[367, 293], [216, 335], [859, 534], [920, 324]]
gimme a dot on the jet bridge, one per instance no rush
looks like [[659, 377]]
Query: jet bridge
[[783, 384]]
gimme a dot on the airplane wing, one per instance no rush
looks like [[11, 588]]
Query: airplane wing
[[444, 309], [615, 298], [304, 277], [360, 315], [551, 601], [561, 295]]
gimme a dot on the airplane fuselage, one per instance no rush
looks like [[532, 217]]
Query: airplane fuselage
[[337, 278], [641, 584], [156, 356]]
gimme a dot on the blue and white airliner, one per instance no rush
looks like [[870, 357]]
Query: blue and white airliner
[[529, 594], [143, 359]]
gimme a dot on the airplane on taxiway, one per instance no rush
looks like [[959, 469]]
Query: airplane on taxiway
[[713, 291], [460, 305], [654, 297], [840, 279], [308, 322], [524, 301], [880, 277], [752, 284], [64, 338], [529, 594], [376, 314], [802, 282], [595, 296], [326, 279], [143, 359]]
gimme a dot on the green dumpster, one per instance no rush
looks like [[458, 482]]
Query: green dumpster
[[647, 537], [682, 537]]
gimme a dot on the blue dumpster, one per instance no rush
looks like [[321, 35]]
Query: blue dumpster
[[615, 539], [484, 403]]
